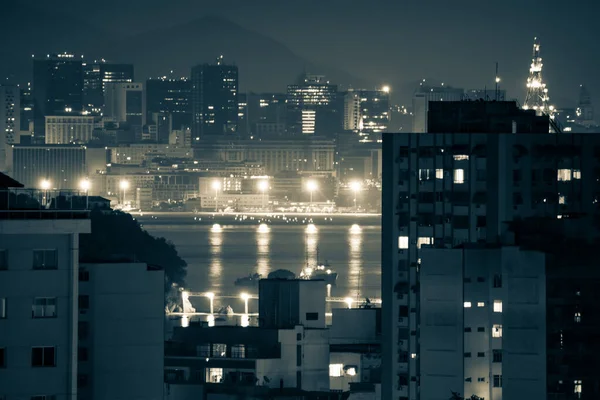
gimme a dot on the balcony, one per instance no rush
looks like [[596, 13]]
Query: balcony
[[26, 204]]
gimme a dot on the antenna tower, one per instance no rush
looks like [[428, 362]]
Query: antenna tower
[[537, 92]]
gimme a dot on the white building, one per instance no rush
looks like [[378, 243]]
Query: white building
[[10, 121], [125, 102], [236, 201], [138, 154], [121, 336], [72, 129], [39, 262], [483, 323]]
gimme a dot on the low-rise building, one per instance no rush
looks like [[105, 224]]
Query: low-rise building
[[69, 129]]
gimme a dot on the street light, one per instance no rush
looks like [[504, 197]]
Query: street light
[[386, 89], [216, 185], [356, 187], [85, 186], [45, 184], [123, 185], [311, 186], [348, 301], [263, 186], [211, 298], [245, 297]]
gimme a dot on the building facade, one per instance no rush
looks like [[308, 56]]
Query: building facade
[[423, 96], [214, 99], [125, 103], [72, 129], [95, 77], [57, 89], [483, 323], [39, 261], [170, 96], [10, 120], [312, 107]]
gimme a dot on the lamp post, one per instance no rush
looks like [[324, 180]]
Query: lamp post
[[245, 297], [349, 302], [123, 185], [45, 184], [216, 185], [85, 186], [263, 186], [211, 298], [311, 186], [356, 187]]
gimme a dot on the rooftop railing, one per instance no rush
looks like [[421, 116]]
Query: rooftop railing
[[19, 204]]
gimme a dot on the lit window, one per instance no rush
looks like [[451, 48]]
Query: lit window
[[497, 331], [439, 173], [467, 304], [403, 242], [562, 199], [413, 355], [459, 176], [460, 157], [578, 317], [576, 174], [219, 350], [336, 370], [350, 371], [424, 240], [480, 304], [214, 375], [564, 175], [577, 386], [497, 305]]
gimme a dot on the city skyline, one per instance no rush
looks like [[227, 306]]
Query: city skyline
[[431, 54]]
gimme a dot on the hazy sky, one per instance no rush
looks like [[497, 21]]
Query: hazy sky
[[457, 41]]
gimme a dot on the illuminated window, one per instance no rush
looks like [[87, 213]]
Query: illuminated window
[[413, 355], [467, 304], [564, 175], [497, 305], [576, 174], [219, 350], [562, 199], [480, 304], [459, 176], [424, 240], [577, 318], [403, 242], [460, 157], [336, 370], [577, 386], [497, 331], [439, 173], [214, 375], [350, 371]]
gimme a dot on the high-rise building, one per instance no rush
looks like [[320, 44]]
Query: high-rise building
[[39, 261], [57, 89], [367, 111], [266, 114], [585, 108], [125, 103], [63, 166], [71, 129], [313, 107], [483, 164], [27, 110], [95, 77], [10, 120], [214, 99], [424, 95], [482, 325], [170, 96]]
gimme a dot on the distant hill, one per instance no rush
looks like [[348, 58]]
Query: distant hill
[[265, 64]]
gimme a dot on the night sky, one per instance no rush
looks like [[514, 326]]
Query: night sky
[[397, 42]]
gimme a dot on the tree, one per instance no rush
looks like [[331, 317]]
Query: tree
[[117, 236]]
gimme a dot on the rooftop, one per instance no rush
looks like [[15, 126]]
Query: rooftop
[[26, 204]]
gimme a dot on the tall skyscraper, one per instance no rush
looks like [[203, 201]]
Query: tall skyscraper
[[170, 96], [214, 99], [585, 108], [10, 120], [266, 114], [424, 95], [367, 111], [95, 77], [483, 164], [312, 107], [57, 89], [125, 103], [27, 109]]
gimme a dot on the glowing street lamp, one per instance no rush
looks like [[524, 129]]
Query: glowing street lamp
[[85, 186], [216, 185], [311, 186], [385, 89], [123, 185], [348, 301], [356, 187], [211, 298], [45, 185], [245, 297], [263, 186]]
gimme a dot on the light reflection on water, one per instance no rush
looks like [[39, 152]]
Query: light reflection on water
[[217, 257]]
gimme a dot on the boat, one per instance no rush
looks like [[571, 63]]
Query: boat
[[248, 281], [322, 271], [281, 274]]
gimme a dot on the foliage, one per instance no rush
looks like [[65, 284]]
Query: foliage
[[117, 236]]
